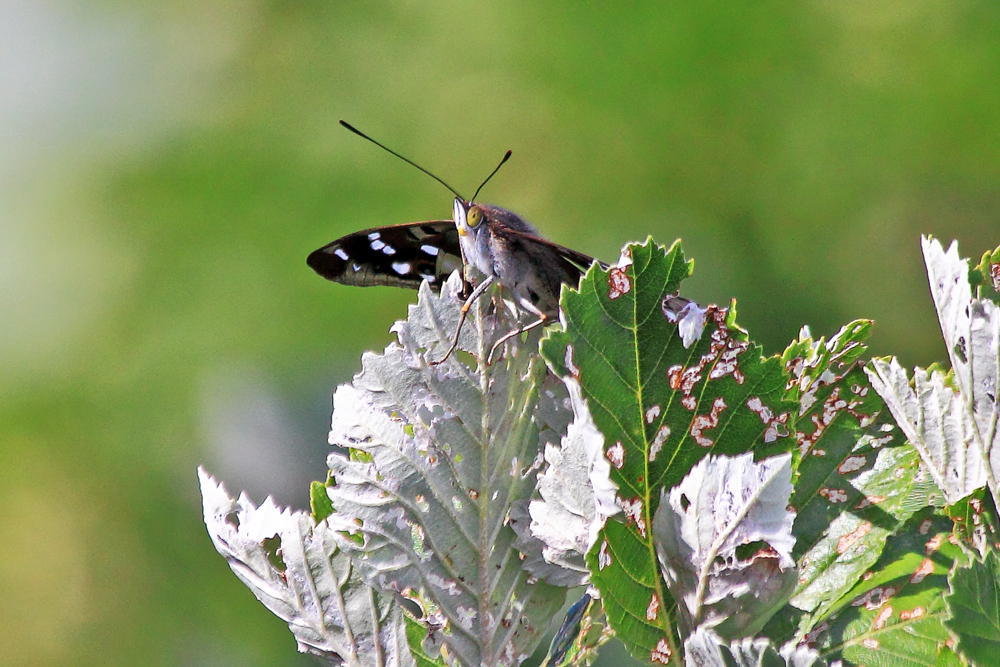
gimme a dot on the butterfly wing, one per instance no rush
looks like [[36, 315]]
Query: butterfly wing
[[573, 262], [397, 255]]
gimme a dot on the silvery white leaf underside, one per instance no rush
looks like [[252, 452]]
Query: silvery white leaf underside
[[333, 614], [951, 418], [722, 504], [439, 455]]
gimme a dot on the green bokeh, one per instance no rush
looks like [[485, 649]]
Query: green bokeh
[[166, 168]]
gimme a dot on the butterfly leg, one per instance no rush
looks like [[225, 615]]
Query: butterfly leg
[[530, 307], [476, 293]]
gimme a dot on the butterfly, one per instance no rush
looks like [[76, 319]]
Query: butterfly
[[503, 246]]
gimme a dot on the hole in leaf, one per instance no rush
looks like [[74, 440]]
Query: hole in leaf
[[747, 551], [411, 607], [361, 456], [960, 350], [466, 358], [357, 538], [233, 519], [272, 547], [685, 503]]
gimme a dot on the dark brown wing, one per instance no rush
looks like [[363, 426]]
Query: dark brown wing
[[574, 262], [397, 255]]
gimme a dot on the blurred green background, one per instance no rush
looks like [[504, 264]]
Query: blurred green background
[[165, 167]]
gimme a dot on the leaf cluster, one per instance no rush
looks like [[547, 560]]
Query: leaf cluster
[[721, 506]]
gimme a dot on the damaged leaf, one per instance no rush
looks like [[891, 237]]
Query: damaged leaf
[[661, 407], [449, 450], [952, 418], [295, 567], [858, 479], [705, 649], [721, 505], [556, 531], [895, 614]]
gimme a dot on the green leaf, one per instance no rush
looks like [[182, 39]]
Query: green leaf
[[661, 408], [986, 276], [297, 570], [974, 607], [975, 521], [448, 450], [319, 501], [895, 615], [415, 635], [857, 477]]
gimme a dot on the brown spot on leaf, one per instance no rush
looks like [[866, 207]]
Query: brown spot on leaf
[[653, 609], [570, 366], [833, 495], [852, 464], [616, 455], [702, 423], [933, 544], [722, 358], [847, 541], [813, 635], [775, 425], [652, 413], [870, 500], [875, 598], [674, 376], [925, 568], [633, 512], [603, 556], [882, 618], [658, 441], [728, 363], [618, 283], [910, 614], [832, 406], [661, 653]]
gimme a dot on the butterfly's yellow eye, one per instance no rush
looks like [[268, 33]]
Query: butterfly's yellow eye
[[474, 216]]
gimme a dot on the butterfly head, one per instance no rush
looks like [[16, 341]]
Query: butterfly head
[[471, 224], [468, 217]]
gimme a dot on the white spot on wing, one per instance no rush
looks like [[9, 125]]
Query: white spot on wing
[[389, 250], [373, 236], [339, 252], [402, 268], [377, 245], [430, 250]]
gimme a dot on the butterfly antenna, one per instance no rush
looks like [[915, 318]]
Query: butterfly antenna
[[406, 160], [505, 158]]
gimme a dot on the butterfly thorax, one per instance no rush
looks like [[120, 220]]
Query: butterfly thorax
[[499, 245]]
